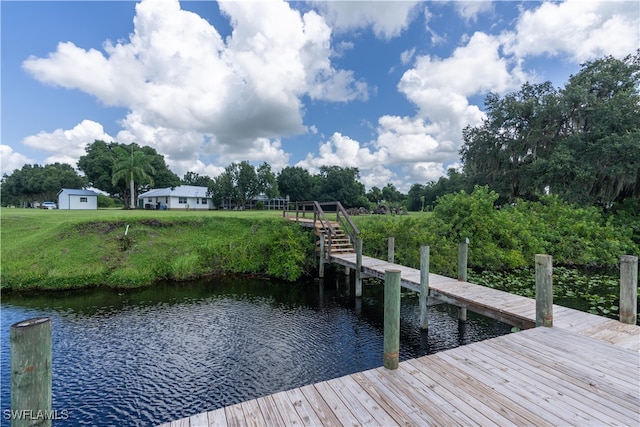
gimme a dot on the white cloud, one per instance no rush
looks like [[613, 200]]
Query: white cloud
[[10, 160], [386, 19], [469, 10], [340, 150], [378, 176], [189, 91], [582, 30], [68, 145]]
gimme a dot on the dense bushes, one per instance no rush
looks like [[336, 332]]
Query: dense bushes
[[501, 237]]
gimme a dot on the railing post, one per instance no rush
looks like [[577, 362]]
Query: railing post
[[424, 286], [544, 290], [463, 249], [358, 267], [321, 257], [391, 319], [629, 289], [391, 249], [30, 348]]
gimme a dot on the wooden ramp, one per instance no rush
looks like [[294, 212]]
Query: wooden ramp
[[541, 376]]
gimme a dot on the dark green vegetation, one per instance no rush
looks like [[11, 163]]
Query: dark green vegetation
[[503, 244], [501, 239], [67, 249]]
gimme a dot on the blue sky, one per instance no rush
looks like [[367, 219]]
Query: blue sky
[[383, 86]]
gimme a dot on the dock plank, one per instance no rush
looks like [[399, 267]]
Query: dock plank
[[583, 371]]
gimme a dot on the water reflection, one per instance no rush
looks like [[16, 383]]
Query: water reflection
[[147, 356]]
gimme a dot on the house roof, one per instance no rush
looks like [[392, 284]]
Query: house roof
[[180, 191], [76, 192]]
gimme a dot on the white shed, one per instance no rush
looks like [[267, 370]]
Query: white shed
[[77, 199], [183, 197]]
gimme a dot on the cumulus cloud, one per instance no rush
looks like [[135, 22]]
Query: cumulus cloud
[[188, 90], [10, 160], [582, 30], [68, 145], [386, 19]]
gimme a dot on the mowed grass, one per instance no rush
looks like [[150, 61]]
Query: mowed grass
[[58, 249]]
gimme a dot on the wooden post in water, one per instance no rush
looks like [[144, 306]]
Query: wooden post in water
[[391, 249], [358, 267], [628, 289], [391, 319], [321, 257], [30, 342], [544, 290], [463, 249], [424, 286]]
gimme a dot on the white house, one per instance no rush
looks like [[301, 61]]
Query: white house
[[69, 198], [183, 197]]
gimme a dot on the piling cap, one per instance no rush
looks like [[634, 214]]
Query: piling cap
[[31, 322]]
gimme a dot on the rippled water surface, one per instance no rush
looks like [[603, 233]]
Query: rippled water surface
[[148, 356]]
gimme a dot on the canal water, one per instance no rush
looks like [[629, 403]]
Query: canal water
[[147, 356]]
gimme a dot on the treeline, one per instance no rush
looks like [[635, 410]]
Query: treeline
[[580, 143]]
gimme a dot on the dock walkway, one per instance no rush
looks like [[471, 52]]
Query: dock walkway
[[583, 371]]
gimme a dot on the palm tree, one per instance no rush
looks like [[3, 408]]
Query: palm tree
[[133, 166]]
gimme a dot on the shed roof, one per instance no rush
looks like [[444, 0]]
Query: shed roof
[[179, 191], [77, 192]]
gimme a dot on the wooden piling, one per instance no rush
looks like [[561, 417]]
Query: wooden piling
[[321, 257], [358, 267], [463, 249], [544, 290], [391, 332], [424, 286], [629, 289], [391, 249], [30, 352]]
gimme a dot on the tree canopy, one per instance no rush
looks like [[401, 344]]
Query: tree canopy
[[239, 183], [35, 183], [99, 161], [581, 142]]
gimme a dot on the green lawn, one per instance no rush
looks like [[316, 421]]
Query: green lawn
[[56, 249]]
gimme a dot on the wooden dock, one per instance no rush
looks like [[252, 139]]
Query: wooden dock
[[541, 376], [583, 371]]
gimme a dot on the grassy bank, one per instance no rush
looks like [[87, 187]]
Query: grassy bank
[[42, 249]]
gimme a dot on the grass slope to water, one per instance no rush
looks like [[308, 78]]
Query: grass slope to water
[[42, 249]]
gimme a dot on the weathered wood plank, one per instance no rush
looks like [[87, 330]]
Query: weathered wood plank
[[234, 415], [597, 399], [504, 408], [304, 409], [321, 408], [336, 404], [286, 409], [398, 393], [270, 412], [199, 420], [217, 418], [252, 413], [569, 397], [368, 413], [395, 412], [447, 385]]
